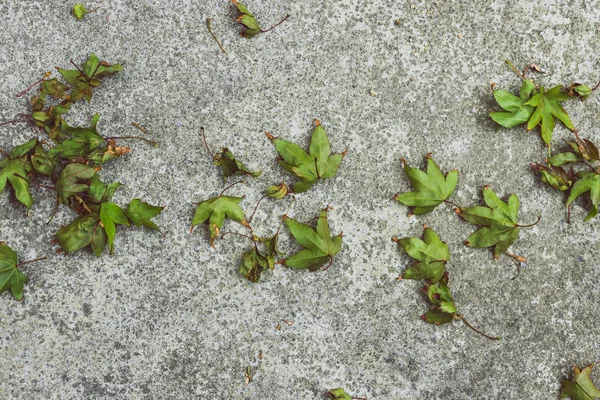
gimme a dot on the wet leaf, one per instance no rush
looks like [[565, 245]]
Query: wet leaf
[[499, 220], [253, 264], [587, 182], [516, 111], [443, 309], [431, 254], [214, 211], [15, 170], [432, 188], [10, 276], [88, 77], [547, 107], [140, 213], [581, 386], [111, 214], [309, 168], [73, 179], [231, 166], [319, 247]]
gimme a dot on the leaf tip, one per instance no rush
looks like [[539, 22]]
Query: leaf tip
[[403, 161], [317, 122], [429, 155], [395, 239], [271, 137]]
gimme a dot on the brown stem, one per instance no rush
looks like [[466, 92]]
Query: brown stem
[[239, 234], [453, 204], [256, 208], [276, 25], [206, 144], [14, 121], [515, 69], [55, 208], [35, 184], [47, 74], [517, 264], [477, 330], [32, 261], [5, 153], [596, 87], [229, 187], [589, 165], [569, 214], [328, 265], [213, 35], [133, 137], [530, 225]]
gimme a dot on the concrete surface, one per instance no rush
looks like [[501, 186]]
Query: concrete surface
[[170, 318]]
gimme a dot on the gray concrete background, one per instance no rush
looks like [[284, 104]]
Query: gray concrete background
[[171, 318]]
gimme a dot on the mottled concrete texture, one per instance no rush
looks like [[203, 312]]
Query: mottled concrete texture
[[171, 318]]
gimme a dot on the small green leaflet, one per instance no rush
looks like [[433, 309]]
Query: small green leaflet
[[250, 26], [214, 211], [140, 213], [309, 168], [580, 90], [79, 11], [82, 232], [432, 188], [10, 276], [443, 309], [431, 255], [338, 394], [517, 112], [254, 262], [73, 179], [319, 247], [581, 386], [85, 79], [547, 107], [587, 182], [82, 142], [278, 192], [231, 166], [499, 220], [555, 177], [111, 214], [15, 170]]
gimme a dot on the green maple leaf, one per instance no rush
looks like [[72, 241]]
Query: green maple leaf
[[580, 90], [50, 120], [82, 232], [140, 214], [319, 247], [101, 192], [309, 168], [214, 211], [73, 179], [443, 308], [231, 166], [338, 394], [547, 107], [86, 78], [10, 275], [553, 176], [499, 220], [587, 182], [111, 214], [79, 11], [49, 87], [431, 254], [432, 188], [516, 110], [42, 162], [81, 143], [15, 169], [581, 386]]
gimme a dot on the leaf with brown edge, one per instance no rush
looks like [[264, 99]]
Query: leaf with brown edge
[[231, 166], [213, 211], [580, 387]]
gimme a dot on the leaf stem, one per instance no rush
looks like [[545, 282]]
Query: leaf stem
[[47, 74], [206, 144], [213, 35], [530, 225], [596, 87], [31, 261], [256, 208], [515, 69], [229, 187], [453, 204], [14, 121], [35, 184], [276, 25], [589, 165], [133, 137], [569, 214], [5, 153], [328, 264], [239, 234], [477, 330]]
